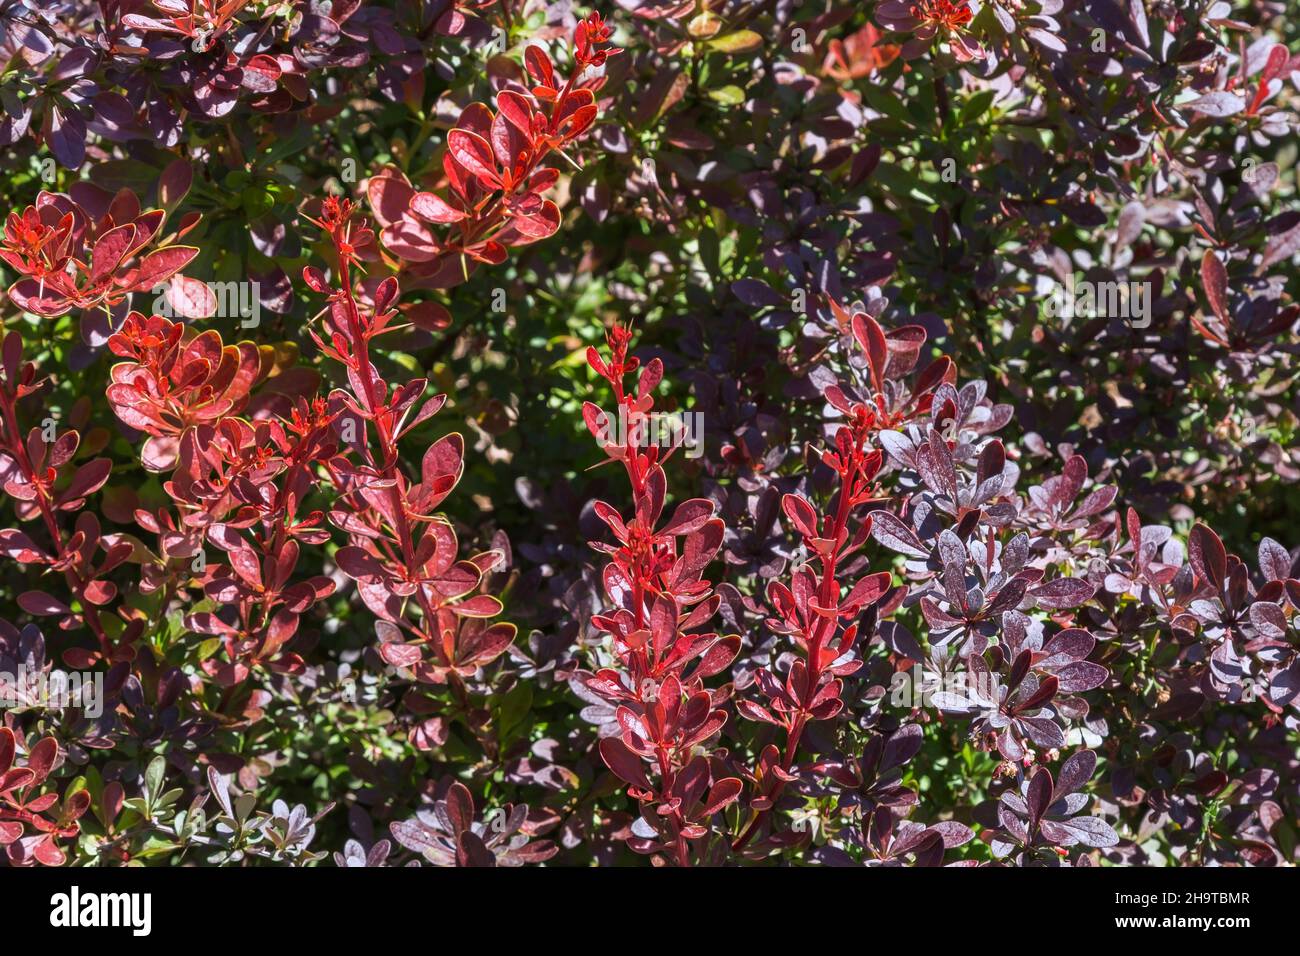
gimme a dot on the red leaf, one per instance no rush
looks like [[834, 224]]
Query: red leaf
[[191, 298], [445, 458], [689, 516], [626, 765], [540, 224], [160, 265], [109, 251], [539, 66], [41, 758], [459, 808], [867, 591], [100, 592], [17, 545], [433, 208], [481, 605], [723, 793], [400, 655], [1215, 278], [390, 195], [473, 153], [430, 316], [8, 747], [47, 852], [801, 515], [88, 479], [516, 109], [40, 604], [1207, 556], [1040, 794], [174, 183], [245, 564]]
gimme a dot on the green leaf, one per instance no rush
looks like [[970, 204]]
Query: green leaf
[[153, 778], [513, 709], [976, 106], [728, 95], [244, 804], [742, 41]]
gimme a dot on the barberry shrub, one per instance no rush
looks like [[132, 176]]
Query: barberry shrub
[[488, 434]]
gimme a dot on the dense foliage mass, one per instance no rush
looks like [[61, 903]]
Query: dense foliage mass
[[486, 432]]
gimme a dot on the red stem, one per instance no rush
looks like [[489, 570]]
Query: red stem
[[392, 473], [75, 581], [828, 591]]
